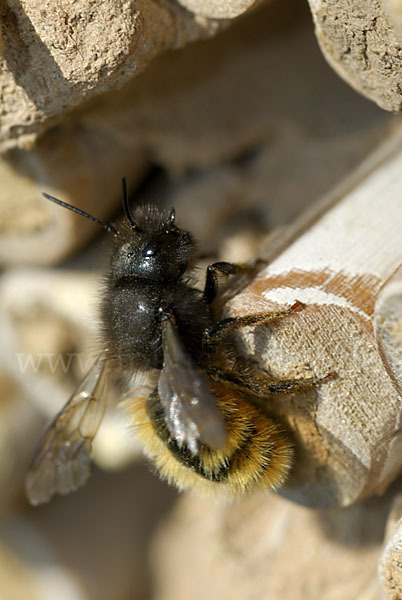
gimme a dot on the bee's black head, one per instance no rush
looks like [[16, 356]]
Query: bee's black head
[[150, 246]]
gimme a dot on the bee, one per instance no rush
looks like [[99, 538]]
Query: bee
[[202, 425]]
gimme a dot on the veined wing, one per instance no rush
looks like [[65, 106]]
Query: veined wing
[[191, 413], [61, 463]]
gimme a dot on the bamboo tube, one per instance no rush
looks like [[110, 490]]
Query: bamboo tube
[[362, 43], [347, 431]]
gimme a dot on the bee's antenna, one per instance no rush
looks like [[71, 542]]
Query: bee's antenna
[[108, 228], [126, 207]]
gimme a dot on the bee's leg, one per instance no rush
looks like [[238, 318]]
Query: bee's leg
[[262, 384], [211, 281], [212, 335]]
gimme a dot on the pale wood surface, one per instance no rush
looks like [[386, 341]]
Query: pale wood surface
[[348, 432]]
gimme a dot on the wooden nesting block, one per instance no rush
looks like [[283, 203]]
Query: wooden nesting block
[[347, 430], [185, 120], [219, 9], [388, 326], [390, 567], [266, 547], [56, 56], [361, 40]]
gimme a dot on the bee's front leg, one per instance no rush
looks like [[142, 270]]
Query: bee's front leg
[[215, 333], [211, 281]]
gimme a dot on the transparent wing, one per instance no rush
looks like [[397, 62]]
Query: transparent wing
[[191, 413], [61, 463]]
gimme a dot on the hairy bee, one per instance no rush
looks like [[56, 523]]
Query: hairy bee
[[201, 425]]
